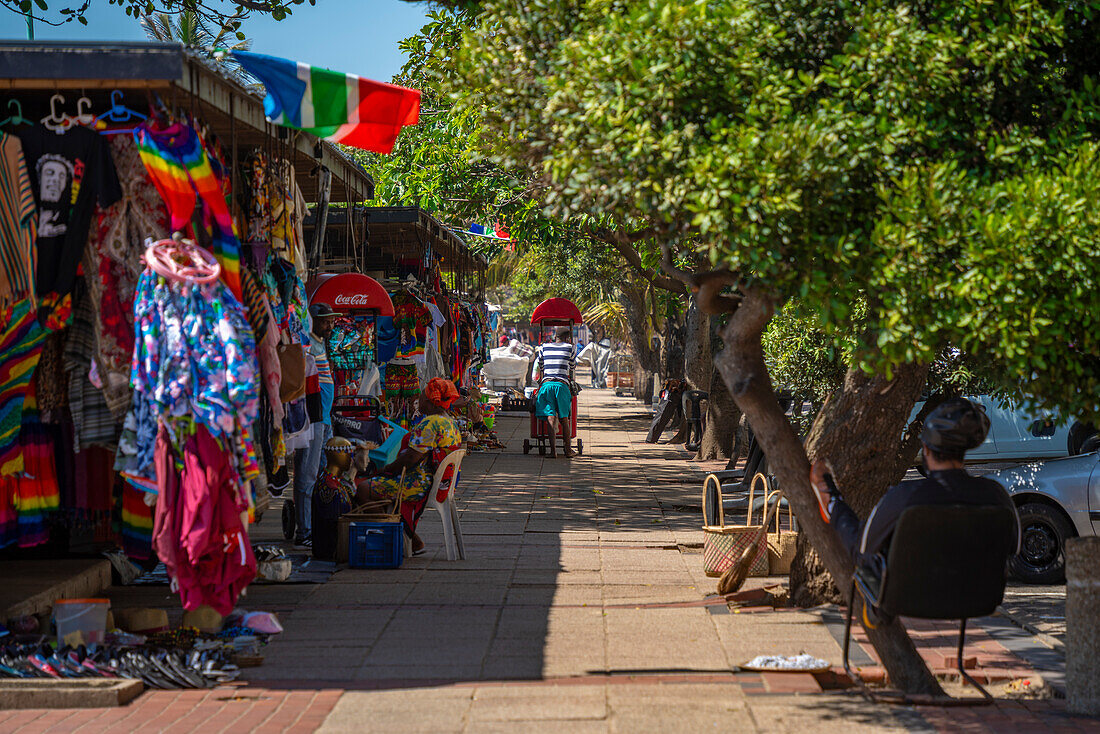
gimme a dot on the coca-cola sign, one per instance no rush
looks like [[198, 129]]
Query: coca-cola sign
[[359, 299], [351, 291]]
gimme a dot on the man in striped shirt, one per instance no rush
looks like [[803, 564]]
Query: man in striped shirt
[[554, 367]]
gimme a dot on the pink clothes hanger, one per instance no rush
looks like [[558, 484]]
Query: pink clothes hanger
[[181, 260]]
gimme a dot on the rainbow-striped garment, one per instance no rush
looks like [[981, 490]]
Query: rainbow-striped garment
[[181, 171], [21, 341]]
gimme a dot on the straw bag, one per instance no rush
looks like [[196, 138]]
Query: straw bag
[[723, 544], [781, 545]]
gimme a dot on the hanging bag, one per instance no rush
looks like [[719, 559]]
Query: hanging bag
[[781, 545], [292, 365], [724, 544]]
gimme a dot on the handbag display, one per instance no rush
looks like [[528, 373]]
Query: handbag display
[[781, 545], [292, 364], [723, 544]]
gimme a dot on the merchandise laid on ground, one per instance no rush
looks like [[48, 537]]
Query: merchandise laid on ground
[[161, 304], [583, 604]]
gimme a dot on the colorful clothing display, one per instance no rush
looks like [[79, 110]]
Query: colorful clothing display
[[411, 318], [194, 361], [182, 173], [70, 173], [21, 341], [114, 252], [197, 531], [18, 224]]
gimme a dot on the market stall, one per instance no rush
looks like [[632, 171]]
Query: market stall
[[146, 383]]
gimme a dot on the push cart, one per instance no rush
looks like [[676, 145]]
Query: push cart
[[620, 373], [549, 315]]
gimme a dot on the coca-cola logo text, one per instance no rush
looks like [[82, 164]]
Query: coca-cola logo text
[[357, 300]]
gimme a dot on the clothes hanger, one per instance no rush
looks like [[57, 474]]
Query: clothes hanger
[[120, 112], [17, 118], [60, 124], [84, 117], [181, 260]]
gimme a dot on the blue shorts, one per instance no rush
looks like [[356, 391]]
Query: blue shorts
[[554, 398]]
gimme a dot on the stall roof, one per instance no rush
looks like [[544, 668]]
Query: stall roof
[[409, 230], [392, 234], [234, 111]]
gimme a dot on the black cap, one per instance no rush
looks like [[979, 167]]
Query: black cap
[[321, 310], [954, 426]]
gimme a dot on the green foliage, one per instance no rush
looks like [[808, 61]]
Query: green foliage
[[209, 11], [930, 161], [199, 34], [801, 358]]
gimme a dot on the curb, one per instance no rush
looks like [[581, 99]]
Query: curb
[[1052, 642]]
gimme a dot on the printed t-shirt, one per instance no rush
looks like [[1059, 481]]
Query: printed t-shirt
[[411, 320], [69, 174]]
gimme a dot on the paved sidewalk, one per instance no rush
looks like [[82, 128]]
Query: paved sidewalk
[[581, 606]]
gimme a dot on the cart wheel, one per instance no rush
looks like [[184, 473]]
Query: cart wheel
[[526, 446], [289, 520], [580, 447], [618, 393]]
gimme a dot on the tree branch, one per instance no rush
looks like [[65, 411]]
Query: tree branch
[[709, 284], [623, 242]]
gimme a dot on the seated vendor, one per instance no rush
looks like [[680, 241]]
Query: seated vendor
[[429, 441]]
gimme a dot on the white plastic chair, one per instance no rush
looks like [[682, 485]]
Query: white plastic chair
[[448, 511]]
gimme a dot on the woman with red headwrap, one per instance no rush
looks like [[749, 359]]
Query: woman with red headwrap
[[429, 441]]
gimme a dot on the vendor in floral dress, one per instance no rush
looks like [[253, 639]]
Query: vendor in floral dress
[[429, 441]]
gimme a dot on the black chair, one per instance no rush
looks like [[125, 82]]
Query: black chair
[[944, 562]]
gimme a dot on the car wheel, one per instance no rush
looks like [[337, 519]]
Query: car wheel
[[1041, 559]]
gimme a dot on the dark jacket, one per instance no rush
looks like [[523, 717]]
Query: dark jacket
[[950, 487]]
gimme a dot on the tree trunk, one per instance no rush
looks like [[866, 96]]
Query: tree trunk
[[646, 359], [698, 364], [742, 366], [877, 410], [723, 419]]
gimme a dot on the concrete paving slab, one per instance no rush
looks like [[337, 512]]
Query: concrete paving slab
[[543, 703]]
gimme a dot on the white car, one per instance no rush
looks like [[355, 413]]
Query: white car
[[1056, 499], [1016, 433]]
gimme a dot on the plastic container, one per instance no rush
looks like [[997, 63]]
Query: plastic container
[[376, 545], [390, 448], [87, 616]]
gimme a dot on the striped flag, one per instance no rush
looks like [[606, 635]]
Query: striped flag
[[340, 107]]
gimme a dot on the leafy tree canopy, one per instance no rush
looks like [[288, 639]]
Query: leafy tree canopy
[[216, 12], [929, 161]]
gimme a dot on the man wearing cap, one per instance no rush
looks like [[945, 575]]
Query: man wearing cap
[[307, 461], [953, 428]]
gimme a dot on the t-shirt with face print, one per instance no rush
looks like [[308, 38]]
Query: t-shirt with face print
[[69, 173]]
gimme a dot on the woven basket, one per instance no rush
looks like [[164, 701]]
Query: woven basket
[[724, 544], [781, 545]]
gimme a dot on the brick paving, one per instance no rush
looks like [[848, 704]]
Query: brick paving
[[581, 606]]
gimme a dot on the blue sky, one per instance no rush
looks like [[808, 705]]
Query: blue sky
[[353, 36]]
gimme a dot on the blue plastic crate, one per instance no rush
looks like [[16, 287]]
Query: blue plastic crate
[[376, 545]]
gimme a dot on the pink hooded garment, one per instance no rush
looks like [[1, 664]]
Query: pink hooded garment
[[198, 532]]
